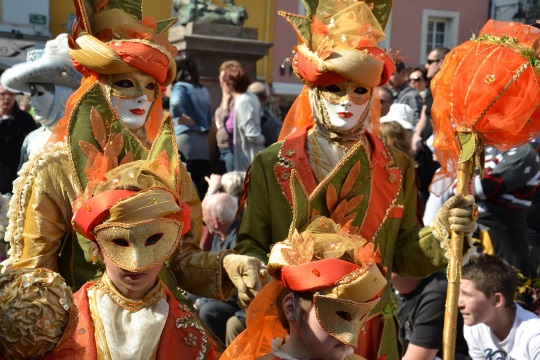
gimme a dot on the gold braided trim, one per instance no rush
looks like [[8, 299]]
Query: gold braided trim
[[282, 161], [390, 166], [156, 294], [22, 190]]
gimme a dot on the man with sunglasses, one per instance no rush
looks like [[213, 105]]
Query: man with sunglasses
[[434, 61]]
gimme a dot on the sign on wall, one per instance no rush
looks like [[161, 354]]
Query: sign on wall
[[37, 19]]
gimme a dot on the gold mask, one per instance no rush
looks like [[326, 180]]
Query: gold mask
[[343, 319], [139, 246], [344, 310], [346, 90], [133, 85]]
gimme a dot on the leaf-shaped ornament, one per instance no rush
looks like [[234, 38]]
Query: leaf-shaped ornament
[[301, 208], [92, 124], [127, 158], [381, 10], [331, 198], [165, 151], [339, 213], [467, 143], [325, 48], [98, 127], [301, 250], [301, 24], [311, 7], [350, 180]]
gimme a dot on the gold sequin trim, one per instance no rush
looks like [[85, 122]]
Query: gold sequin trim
[[190, 340], [128, 304], [23, 188]]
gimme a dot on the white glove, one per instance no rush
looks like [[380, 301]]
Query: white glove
[[247, 273]]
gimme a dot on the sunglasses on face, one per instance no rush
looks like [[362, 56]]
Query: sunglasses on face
[[431, 61], [415, 79]]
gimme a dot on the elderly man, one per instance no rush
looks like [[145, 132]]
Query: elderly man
[[219, 215]]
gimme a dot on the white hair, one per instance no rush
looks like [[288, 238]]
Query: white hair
[[222, 207], [232, 182]]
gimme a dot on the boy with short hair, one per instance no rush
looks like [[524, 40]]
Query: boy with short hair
[[495, 326]]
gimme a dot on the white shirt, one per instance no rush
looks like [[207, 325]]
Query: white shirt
[[522, 343]]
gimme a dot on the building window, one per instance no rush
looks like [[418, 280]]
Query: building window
[[439, 28], [437, 34]]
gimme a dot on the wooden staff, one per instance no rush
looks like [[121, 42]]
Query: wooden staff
[[454, 270]]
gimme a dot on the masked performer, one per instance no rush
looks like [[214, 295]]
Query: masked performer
[[327, 283], [135, 219], [347, 172], [125, 60], [49, 77]]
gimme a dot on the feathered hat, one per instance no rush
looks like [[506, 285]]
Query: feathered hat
[[111, 37], [342, 270], [338, 41], [132, 209], [51, 65]]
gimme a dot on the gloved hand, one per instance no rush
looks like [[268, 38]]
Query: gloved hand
[[459, 213], [247, 273]]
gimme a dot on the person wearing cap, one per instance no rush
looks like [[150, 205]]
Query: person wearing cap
[[49, 77], [320, 299], [397, 128], [332, 157], [113, 118]]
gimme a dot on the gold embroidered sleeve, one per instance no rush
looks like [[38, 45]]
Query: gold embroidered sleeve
[[40, 210]]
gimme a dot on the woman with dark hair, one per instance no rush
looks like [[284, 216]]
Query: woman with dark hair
[[192, 115], [418, 80], [244, 122]]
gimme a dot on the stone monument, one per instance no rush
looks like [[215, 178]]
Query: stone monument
[[213, 35]]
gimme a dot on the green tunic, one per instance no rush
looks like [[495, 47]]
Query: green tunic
[[384, 197]]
